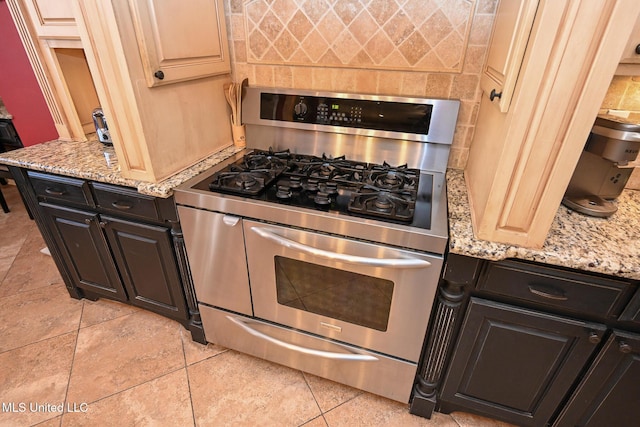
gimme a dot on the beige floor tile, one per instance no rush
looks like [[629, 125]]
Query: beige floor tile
[[163, 401], [42, 313], [330, 394], [316, 422], [370, 410], [53, 422], [35, 374], [31, 268], [121, 353], [235, 389], [102, 310], [470, 420], [195, 352], [5, 263], [14, 227]]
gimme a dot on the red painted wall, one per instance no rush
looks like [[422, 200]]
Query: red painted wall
[[19, 88]]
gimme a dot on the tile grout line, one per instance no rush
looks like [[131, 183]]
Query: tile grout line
[[304, 378], [73, 357], [186, 371]]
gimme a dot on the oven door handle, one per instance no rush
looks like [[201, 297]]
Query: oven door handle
[[310, 351], [353, 259]]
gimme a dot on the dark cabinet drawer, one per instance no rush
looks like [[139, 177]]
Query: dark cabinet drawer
[[631, 312], [125, 201], [61, 188], [565, 290]]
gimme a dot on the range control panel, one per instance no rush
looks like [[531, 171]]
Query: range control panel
[[347, 112]]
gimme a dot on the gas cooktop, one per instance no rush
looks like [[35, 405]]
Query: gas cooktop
[[328, 184]]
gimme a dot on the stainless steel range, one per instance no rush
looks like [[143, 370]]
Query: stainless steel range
[[320, 247]]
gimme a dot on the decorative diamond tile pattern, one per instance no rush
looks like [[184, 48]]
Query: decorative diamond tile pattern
[[416, 35]]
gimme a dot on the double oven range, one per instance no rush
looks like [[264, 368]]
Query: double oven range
[[320, 246]]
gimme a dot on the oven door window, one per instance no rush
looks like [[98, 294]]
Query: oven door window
[[338, 294]]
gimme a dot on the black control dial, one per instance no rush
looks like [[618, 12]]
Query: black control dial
[[300, 110]]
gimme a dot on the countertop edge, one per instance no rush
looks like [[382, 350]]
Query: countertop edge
[[88, 160], [569, 242]]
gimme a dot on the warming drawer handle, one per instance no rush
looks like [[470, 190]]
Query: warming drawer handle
[[353, 259], [310, 351]]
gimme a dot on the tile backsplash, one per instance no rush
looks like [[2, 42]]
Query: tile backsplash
[[423, 48]]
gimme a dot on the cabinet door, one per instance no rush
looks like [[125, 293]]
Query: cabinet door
[[82, 244], [511, 28], [516, 364], [145, 258], [608, 395], [51, 18], [180, 40], [631, 54]]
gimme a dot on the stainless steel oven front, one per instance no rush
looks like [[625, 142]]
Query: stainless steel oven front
[[342, 289], [344, 309]]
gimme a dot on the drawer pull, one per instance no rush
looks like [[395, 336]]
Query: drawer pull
[[548, 293], [54, 191], [624, 347], [123, 206]]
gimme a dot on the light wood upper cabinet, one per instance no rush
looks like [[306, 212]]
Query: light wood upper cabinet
[[157, 130], [52, 18], [630, 60], [521, 160], [511, 28], [104, 53], [180, 40], [631, 53], [49, 33]]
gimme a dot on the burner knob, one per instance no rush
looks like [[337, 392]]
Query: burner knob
[[312, 185], [294, 183], [322, 198], [300, 110], [331, 188], [283, 192]]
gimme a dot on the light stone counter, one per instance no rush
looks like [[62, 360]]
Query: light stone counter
[[87, 160], [603, 245]]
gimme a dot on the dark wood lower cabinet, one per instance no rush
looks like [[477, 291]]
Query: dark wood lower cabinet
[[516, 364], [533, 345], [82, 244], [111, 241], [145, 259], [609, 394], [120, 259]]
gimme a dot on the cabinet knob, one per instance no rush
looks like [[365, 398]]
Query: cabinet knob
[[103, 224], [493, 95], [638, 49], [624, 347], [594, 338], [87, 221], [159, 74]]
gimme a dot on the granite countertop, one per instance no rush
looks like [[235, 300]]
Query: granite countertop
[[88, 160], [603, 245]]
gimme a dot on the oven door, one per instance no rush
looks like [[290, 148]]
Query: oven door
[[359, 293]]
